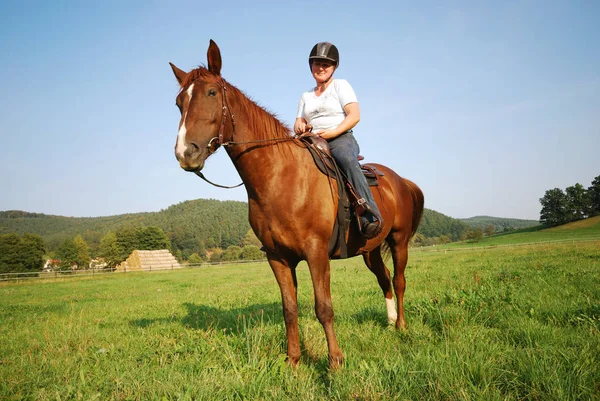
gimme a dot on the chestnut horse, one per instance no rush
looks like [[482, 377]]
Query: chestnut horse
[[292, 207]]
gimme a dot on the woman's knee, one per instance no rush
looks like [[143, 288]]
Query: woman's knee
[[345, 159]]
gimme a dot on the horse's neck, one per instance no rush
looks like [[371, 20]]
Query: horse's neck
[[262, 155], [264, 163]]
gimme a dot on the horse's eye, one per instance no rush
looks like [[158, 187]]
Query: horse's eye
[[212, 92]]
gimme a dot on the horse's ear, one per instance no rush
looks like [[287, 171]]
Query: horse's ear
[[214, 58], [179, 74]]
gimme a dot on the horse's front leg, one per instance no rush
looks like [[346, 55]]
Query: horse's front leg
[[319, 271], [285, 273]]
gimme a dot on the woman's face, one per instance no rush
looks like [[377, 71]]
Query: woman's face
[[322, 69]]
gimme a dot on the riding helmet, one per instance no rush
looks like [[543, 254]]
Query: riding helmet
[[324, 51]]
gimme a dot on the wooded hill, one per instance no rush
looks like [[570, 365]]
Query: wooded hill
[[500, 224], [193, 226]]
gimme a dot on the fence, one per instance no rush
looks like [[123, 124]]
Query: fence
[[99, 272], [64, 274]]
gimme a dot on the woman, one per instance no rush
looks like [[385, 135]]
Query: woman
[[330, 110]]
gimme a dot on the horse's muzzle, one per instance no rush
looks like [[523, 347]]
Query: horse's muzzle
[[192, 162], [191, 166]]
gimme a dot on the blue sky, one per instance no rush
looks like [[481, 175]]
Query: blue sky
[[485, 105]]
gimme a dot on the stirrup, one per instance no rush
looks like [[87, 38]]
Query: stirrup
[[373, 228]]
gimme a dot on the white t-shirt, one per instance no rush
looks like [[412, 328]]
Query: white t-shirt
[[326, 111]]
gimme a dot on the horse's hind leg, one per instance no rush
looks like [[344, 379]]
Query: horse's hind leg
[[399, 248], [375, 263]]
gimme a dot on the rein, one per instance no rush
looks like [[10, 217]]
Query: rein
[[215, 143], [199, 174]]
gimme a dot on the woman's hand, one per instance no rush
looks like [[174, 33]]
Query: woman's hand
[[301, 126], [327, 134]]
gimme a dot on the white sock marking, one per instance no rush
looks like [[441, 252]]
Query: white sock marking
[[391, 310]]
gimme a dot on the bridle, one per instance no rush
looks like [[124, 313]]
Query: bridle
[[219, 138], [216, 142]]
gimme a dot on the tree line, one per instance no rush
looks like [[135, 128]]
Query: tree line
[[115, 247], [574, 203], [192, 226], [21, 253], [29, 252], [499, 224], [195, 231]]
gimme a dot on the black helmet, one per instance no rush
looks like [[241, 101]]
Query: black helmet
[[324, 51]]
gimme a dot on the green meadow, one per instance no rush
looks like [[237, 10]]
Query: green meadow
[[583, 230], [496, 323]]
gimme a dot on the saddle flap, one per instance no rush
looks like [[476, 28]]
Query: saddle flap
[[319, 143], [319, 147]]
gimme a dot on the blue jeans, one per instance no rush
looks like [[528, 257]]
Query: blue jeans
[[345, 150]]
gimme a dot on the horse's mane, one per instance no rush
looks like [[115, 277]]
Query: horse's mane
[[262, 123]]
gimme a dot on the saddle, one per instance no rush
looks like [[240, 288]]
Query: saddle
[[348, 204]]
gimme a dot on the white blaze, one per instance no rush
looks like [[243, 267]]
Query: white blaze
[[181, 144], [391, 310]]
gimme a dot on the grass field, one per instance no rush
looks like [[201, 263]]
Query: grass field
[[490, 324], [576, 231]]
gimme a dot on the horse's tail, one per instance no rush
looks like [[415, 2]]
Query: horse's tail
[[418, 205]]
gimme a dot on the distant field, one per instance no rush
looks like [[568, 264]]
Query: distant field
[[577, 231], [490, 324]]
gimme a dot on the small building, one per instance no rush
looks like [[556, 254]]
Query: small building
[[51, 264], [97, 263], [149, 260]]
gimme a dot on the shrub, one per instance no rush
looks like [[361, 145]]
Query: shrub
[[252, 252], [194, 259], [233, 252]]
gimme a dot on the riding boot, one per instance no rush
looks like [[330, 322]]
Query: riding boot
[[370, 221]]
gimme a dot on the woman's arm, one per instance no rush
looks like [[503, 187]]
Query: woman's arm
[[352, 118]]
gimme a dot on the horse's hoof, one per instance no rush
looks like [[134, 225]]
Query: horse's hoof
[[293, 361], [336, 362], [401, 325]]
